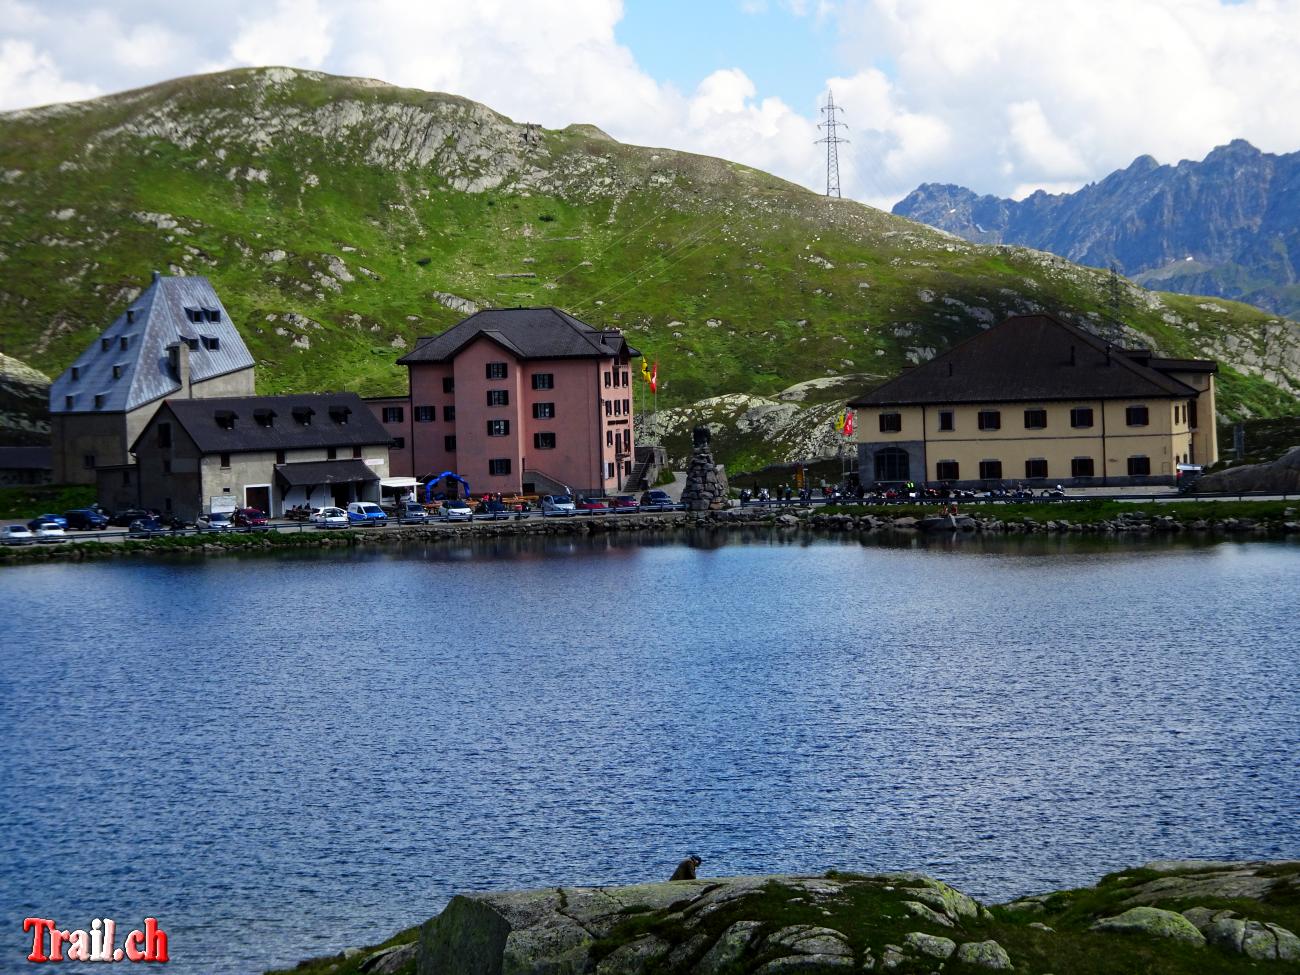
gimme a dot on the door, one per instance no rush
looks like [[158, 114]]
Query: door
[[258, 496], [892, 465]]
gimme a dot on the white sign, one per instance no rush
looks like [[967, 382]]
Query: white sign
[[222, 502], [376, 461]]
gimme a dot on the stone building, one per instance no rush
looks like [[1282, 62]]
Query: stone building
[[266, 452], [1039, 401], [525, 400], [174, 340]]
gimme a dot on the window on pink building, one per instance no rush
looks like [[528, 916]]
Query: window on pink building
[[499, 467], [496, 370], [498, 428], [498, 397], [544, 441], [543, 411], [426, 414], [448, 384]]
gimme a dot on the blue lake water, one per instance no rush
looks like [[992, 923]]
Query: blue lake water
[[282, 757]]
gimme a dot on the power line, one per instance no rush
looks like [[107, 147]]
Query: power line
[[832, 141]]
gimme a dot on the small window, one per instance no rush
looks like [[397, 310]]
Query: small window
[[990, 420], [498, 428], [627, 439], [1191, 414], [608, 378], [609, 407], [302, 415], [543, 380], [609, 438], [1139, 466], [449, 413], [340, 414], [126, 479], [945, 420], [543, 411], [627, 407], [225, 461], [356, 453], [1081, 417], [1136, 416], [496, 370], [130, 316], [618, 407], [331, 453], [448, 384], [499, 467], [609, 470], [991, 470], [76, 373], [124, 342], [626, 377], [1036, 467], [544, 441], [397, 443], [192, 343], [947, 470], [105, 343], [1035, 419], [394, 414], [449, 444], [891, 422], [498, 397], [212, 314], [279, 456], [426, 414], [99, 401], [69, 402], [225, 419], [212, 343], [1081, 467], [264, 417], [164, 435], [88, 461]]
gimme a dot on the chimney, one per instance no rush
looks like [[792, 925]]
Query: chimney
[[1072, 360], [156, 275], [178, 356], [1108, 348]]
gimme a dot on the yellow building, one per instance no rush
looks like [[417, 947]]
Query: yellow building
[[1039, 401]]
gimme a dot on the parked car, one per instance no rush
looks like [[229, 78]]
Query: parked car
[[557, 504], [411, 513], [625, 502], [657, 500], [330, 518], [46, 531], [52, 519], [457, 510], [16, 535], [592, 504], [123, 519], [251, 519], [366, 513], [216, 521], [85, 519], [491, 510], [145, 527]]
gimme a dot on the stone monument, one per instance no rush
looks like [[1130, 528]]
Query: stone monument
[[706, 482]]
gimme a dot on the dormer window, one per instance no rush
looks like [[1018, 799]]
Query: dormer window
[[105, 343], [124, 342], [75, 373], [194, 314], [192, 343], [211, 342], [340, 414], [99, 401], [69, 402], [130, 316], [211, 314], [117, 371], [264, 417], [226, 419], [302, 415]]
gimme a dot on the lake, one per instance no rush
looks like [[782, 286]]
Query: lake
[[280, 757]]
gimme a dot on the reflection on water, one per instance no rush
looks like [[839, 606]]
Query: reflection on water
[[259, 750]]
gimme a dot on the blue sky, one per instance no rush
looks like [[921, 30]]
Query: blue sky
[[1003, 96]]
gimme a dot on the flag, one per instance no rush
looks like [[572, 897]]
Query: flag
[[849, 417], [645, 369], [654, 378], [839, 420]]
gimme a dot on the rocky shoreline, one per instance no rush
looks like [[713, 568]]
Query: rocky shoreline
[[1165, 918], [1264, 520]]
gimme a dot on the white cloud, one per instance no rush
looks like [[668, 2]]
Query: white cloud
[[30, 77], [293, 32]]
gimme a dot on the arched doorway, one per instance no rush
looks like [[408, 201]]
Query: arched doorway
[[892, 464]]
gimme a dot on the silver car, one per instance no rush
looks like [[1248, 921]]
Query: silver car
[[457, 511], [16, 535]]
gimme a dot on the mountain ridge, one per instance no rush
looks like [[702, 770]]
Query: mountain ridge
[[341, 219]]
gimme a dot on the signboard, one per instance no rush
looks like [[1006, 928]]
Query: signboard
[[222, 502]]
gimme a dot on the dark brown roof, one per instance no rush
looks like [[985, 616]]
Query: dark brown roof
[[199, 418], [527, 333], [1033, 358], [312, 472]]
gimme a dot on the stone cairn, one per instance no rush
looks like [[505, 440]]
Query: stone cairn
[[706, 482]]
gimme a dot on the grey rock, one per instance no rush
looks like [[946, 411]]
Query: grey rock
[[806, 963], [1254, 939], [930, 944], [807, 939], [728, 948], [1152, 921], [892, 958], [1040, 926], [984, 954], [633, 957], [927, 913], [389, 960], [948, 900]]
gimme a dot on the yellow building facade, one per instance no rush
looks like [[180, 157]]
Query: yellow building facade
[[1038, 401]]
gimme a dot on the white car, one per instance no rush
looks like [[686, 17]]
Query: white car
[[558, 504], [47, 531], [330, 518], [216, 521], [457, 510], [366, 513], [16, 535]]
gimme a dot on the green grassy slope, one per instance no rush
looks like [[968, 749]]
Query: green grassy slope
[[332, 213]]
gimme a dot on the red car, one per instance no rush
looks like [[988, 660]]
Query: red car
[[250, 518], [626, 502], [592, 504]]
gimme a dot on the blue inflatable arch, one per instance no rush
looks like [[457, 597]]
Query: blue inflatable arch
[[436, 478]]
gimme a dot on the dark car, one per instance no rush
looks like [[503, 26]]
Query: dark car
[[657, 500], [123, 519], [251, 519], [145, 527], [85, 519], [411, 513], [491, 510], [49, 519]]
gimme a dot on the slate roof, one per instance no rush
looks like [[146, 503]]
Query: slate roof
[[1035, 358], [159, 319], [528, 333], [199, 419], [313, 472]]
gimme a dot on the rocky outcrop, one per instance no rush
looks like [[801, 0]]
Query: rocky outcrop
[[1154, 922], [1281, 476]]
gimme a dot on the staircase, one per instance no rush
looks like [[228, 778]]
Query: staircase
[[633, 480]]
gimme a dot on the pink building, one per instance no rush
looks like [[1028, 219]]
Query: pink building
[[524, 400]]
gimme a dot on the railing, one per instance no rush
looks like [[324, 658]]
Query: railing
[[877, 501]]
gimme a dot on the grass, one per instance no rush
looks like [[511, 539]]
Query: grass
[[27, 502], [731, 279], [338, 965]]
